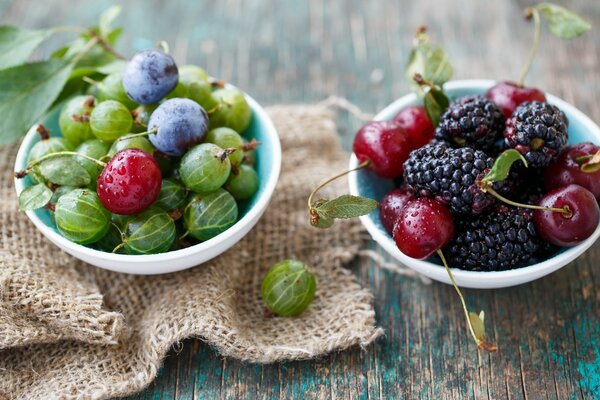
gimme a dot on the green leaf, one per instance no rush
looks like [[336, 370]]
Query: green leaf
[[437, 67], [345, 206], [501, 167], [26, 92], [34, 197], [435, 103], [432, 63], [17, 44], [478, 325], [107, 18], [563, 23], [65, 171]]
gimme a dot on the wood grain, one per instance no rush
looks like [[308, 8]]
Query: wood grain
[[285, 52]]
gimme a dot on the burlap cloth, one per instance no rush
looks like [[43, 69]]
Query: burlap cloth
[[69, 330]]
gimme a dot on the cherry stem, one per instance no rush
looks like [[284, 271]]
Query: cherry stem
[[531, 12], [486, 187], [328, 181], [134, 135], [23, 173]]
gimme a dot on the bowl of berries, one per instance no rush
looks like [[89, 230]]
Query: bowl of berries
[[155, 169], [503, 200]]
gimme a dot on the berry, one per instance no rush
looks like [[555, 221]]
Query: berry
[[567, 169], [288, 288], [74, 120], [503, 239], [232, 110], [80, 216], [227, 138], [538, 131], [135, 142], [172, 195], [208, 215], [149, 232], [391, 205], [149, 76], [110, 120], [413, 119], [423, 227], [93, 148], [508, 96], [451, 176], [130, 182], [204, 168], [111, 88], [180, 124], [385, 145], [192, 73], [243, 183], [571, 228], [471, 121]]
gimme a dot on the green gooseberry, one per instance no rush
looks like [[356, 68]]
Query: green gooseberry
[[111, 88], [198, 90], [142, 117], [74, 120], [150, 232], [288, 288], [233, 110], [227, 138], [243, 184], [204, 168], [80, 217], [172, 195], [109, 120], [208, 215], [94, 148], [192, 73], [43, 148], [57, 194], [135, 142], [111, 241]]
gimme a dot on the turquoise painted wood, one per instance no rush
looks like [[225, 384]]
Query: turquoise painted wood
[[303, 51]]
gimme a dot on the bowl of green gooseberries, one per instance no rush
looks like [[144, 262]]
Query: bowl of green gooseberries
[[208, 198]]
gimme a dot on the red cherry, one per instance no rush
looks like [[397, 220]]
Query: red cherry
[[391, 205], [130, 182], [413, 119], [566, 170], [561, 230], [424, 226], [508, 96], [385, 145]]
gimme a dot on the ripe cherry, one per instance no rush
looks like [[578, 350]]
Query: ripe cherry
[[384, 145], [423, 227], [130, 182], [508, 96], [567, 169], [391, 205], [413, 119], [573, 226]]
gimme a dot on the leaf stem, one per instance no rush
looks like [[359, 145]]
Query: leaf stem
[[486, 187], [100, 40], [531, 12], [328, 181], [23, 173], [134, 135]]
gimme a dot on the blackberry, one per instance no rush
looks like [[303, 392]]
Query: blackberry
[[471, 121], [503, 239], [538, 131], [450, 176]]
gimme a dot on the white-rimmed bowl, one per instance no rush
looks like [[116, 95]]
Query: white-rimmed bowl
[[366, 183], [268, 156]]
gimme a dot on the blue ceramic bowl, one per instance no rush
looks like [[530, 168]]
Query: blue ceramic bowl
[[366, 183], [268, 156]]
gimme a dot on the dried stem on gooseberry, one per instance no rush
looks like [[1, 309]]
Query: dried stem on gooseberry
[[44, 133], [252, 145]]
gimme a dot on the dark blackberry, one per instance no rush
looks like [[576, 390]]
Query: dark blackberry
[[503, 239], [450, 176], [471, 121], [538, 131]]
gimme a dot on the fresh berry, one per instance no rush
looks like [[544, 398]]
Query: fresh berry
[[242, 183], [508, 96], [451, 176], [471, 121], [567, 169], [503, 239], [80, 217], [149, 76], [391, 205], [385, 145], [567, 229], [423, 227], [130, 182], [110, 120], [414, 121], [538, 131], [205, 168], [232, 110], [74, 120], [111, 88], [179, 124]]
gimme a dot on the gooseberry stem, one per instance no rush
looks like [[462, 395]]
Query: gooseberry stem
[[328, 181], [23, 173], [486, 187], [481, 343], [529, 13], [134, 135]]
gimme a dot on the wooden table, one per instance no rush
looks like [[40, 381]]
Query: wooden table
[[302, 51]]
